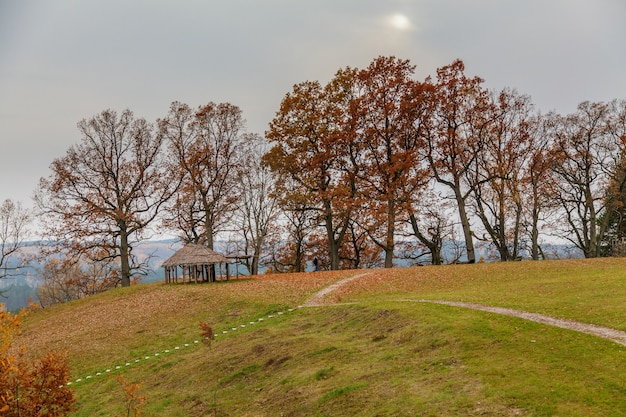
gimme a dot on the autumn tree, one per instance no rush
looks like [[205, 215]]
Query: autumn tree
[[308, 157], [392, 110], [455, 138], [288, 252], [496, 179], [358, 250], [105, 192], [615, 215], [14, 222], [583, 153], [133, 401], [258, 209], [614, 218], [65, 280], [206, 148], [428, 218], [538, 183]]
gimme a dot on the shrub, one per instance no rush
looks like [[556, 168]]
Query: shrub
[[31, 387]]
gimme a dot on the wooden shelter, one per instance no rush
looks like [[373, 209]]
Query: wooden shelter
[[195, 263]]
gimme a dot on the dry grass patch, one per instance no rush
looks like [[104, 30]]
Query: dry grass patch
[[127, 322]]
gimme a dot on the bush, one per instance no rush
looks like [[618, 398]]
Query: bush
[[31, 388]]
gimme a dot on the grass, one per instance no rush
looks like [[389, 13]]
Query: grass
[[379, 356], [592, 291]]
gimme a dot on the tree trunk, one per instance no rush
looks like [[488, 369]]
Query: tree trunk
[[208, 230], [594, 247], [124, 258], [534, 234], [333, 247], [334, 244], [467, 230], [255, 260], [516, 232], [435, 252], [433, 245], [298, 262], [390, 244]]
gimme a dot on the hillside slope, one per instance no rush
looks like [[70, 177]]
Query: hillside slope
[[365, 349]]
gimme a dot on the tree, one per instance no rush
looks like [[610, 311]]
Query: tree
[[206, 149], [289, 255], [583, 153], [133, 401], [392, 110], [31, 387], [308, 157], [428, 218], [66, 280], [359, 251], [615, 215], [496, 183], [258, 210], [538, 183], [615, 195], [14, 220], [105, 192], [455, 137]]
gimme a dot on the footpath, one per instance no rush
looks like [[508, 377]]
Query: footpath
[[613, 335]]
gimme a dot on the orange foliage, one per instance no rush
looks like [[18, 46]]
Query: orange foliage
[[132, 400], [207, 334], [31, 387]]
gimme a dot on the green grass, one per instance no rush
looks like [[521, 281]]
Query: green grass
[[381, 356]]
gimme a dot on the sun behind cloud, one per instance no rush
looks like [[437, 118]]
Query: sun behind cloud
[[400, 22]]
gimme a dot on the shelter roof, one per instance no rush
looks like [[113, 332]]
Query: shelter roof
[[193, 254]]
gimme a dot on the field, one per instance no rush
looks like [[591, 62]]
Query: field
[[370, 347]]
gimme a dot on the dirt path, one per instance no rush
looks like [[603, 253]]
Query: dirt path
[[616, 336], [318, 298]]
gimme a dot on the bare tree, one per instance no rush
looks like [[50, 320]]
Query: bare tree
[[105, 192], [258, 210], [66, 280], [538, 183], [14, 220], [582, 153], [289, 250], [429, 219]]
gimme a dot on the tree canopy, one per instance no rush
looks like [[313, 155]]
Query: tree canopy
[[372, 166], [104, 193]]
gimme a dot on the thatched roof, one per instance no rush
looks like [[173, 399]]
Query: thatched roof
[[192, 254]]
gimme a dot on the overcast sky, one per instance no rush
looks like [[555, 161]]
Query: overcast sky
[[65, 60]]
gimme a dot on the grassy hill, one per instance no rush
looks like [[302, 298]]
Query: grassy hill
[[372, 349]]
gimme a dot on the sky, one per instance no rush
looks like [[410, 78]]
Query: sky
[[62, 61]]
